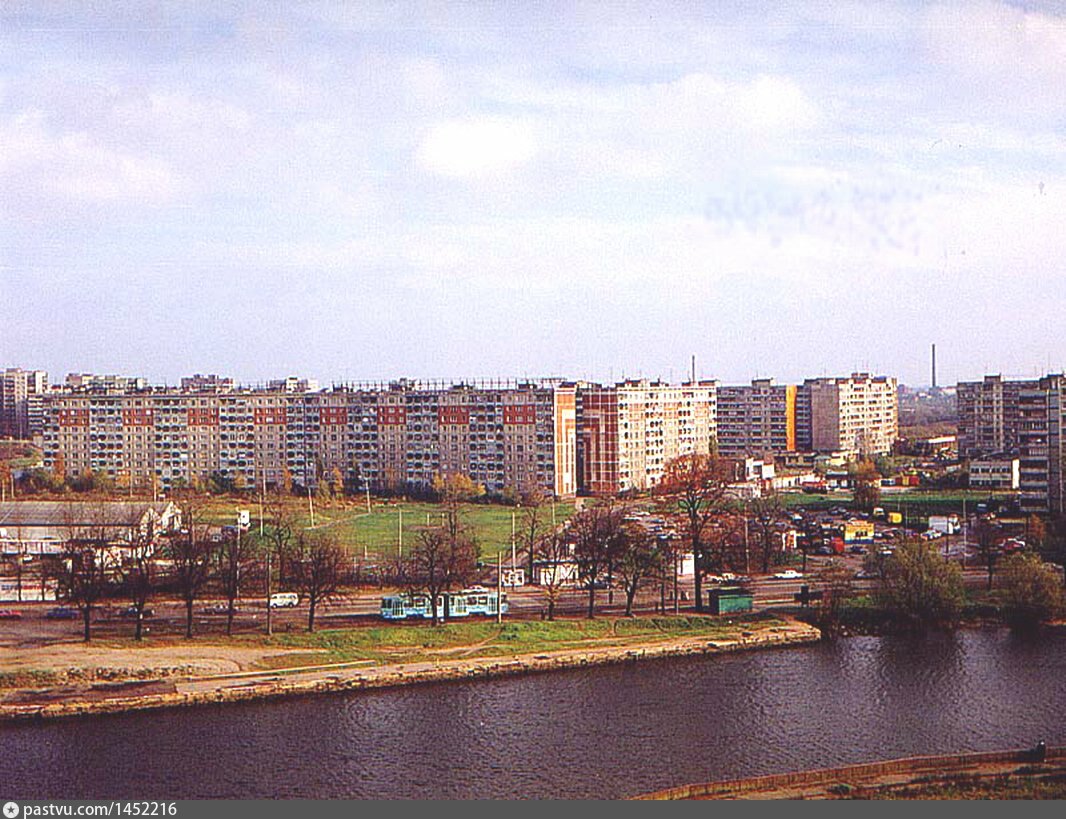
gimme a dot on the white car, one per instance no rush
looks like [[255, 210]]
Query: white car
[[788, 574], [284, 600]]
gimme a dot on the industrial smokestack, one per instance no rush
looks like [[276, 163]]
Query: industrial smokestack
[[693, 369], [934, 366]]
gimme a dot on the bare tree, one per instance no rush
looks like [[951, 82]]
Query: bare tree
[[988, 535], [597, 533], [532, 501], [277, 543], [191, 554], [444, 557], [318, 569], [554, 557], [699, 484], [236, 560], [638, 560], [766, 514], [139, 574], [87, 561]]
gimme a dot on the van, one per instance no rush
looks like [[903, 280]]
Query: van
[[284, 600]]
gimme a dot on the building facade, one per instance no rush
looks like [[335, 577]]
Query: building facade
[[628, 432], [758, 420], [387, 437], [859, 413], [988, 411], [21, 395]]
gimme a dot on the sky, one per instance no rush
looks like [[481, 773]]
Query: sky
[[356, 190]]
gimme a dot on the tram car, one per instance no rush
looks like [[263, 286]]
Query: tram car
[[465, 603]]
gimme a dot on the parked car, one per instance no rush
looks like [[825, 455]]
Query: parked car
[[10, 614], [131, 611], [857, 550], [284, 600], [223, 608], [788, 574], [865, 574], [62, 613]]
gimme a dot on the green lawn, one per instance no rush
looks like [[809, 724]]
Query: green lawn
[[919, 503], [377, 533]]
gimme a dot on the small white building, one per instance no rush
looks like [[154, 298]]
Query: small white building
[[995, 472], [555, 573]]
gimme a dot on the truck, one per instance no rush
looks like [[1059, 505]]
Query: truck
[[945, 524]]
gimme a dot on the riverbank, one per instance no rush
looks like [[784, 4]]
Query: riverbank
[[1023, 774], [357, 659]]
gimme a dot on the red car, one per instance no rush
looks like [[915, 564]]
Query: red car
[[10, 614]]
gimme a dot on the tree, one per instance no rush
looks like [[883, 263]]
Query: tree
[[866, 485], [837, 591], [277, 542], [554, 552], [922, 587], [767, 512], [700, 485], [82, 576], [138, 575], [443, 557], [236, 559], [1031, 590], [813, 538], [597, 532], [639, 558], [532, 501], [987, 536], [191, 553], [318, 570], [456, 488]]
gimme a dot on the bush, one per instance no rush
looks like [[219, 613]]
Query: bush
[[1030, 590], [922, 588]]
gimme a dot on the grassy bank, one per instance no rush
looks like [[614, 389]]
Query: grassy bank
[[1022, 785], [403, 644]]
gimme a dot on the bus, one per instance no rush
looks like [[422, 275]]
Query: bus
[[472, 601]]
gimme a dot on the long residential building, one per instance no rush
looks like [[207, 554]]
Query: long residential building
[[386, 437], [989, 415], [628, 432]]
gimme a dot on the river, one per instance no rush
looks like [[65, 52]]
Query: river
[[603, 732]]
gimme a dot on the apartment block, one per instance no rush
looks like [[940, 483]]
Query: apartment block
[[1041, 448], [21, 394], [628, 432], [989, 419], [388, 437], [857, 413], [756, 420]]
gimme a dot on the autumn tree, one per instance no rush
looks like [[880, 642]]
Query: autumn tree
[[596, 531], [638, 560], [699, 484], [318, 569], [443, 558]]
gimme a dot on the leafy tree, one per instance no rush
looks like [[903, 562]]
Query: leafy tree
[[866, 485], [922, 587], [1031, 591], [699, 484]]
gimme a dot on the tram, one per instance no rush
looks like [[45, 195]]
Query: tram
[[465, 603]]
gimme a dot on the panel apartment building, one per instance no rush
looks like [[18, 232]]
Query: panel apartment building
[[21, 394], [629, 431], [757, 419], [388, 437], [858, 413], [1022, 418]]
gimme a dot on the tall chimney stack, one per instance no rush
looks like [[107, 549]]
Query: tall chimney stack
[[934, 366]]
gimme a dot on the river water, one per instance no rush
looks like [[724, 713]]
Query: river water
[[602, 732]]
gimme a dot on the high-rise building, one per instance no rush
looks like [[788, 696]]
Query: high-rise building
[[394, 437], [1041, 448], [628, 432], [21, 392], [756, 420], [858, 413], [988, 411]]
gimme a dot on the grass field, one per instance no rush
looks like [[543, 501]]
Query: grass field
[[377, 533], [918, 503]]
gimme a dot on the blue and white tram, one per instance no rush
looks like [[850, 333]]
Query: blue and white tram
[[475, 600]]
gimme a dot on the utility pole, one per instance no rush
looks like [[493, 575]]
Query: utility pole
[[311, 505], [270, 628], [499, 587], [399, 537], [514, 555]]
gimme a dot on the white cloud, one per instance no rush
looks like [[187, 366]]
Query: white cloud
[[476, 147]]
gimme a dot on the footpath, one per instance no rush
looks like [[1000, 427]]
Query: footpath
[[169, 691]]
